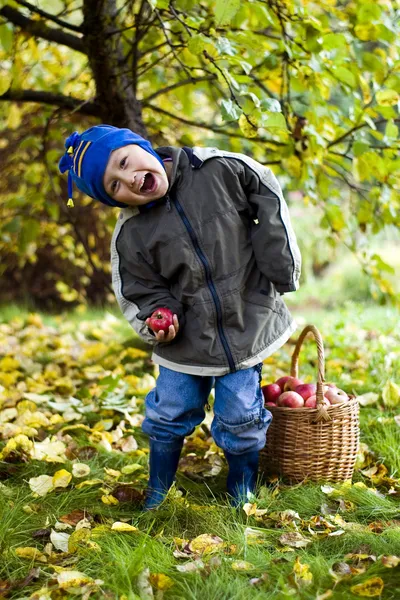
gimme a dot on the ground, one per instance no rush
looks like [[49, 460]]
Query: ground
[[73, 466]]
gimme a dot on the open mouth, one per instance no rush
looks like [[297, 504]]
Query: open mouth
[[149, 184]]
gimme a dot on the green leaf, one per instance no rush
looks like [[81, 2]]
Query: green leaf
[[335, 216], [312, 38], [229, 110], [5, 82], [225, 10], [359, 148], [345, 76], [369, 12], [225, 47], [199, 42], [29, 232], [271, 105], [381, 264], [274, 120], [331, 41], [391, 394], [391, 130], [6, 37], [12, 226]]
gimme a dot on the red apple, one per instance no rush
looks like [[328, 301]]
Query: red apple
[[271, 392], [311, 402], [336, 396], [290, 400], [161, 319], [291, 384], [270, 404], [306, 390], [281, 381]]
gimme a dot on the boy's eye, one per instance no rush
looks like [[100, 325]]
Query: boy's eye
[[113, 186], [122, 162]]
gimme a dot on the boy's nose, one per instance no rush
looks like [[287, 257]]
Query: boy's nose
[[129, 180]]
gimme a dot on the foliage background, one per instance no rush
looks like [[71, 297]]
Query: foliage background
[[309, 88]]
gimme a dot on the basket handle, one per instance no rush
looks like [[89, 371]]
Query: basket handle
[[294, 368]]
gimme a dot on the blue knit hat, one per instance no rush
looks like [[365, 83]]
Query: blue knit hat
[[87, 157]]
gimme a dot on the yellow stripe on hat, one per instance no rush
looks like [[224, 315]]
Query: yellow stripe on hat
[[81, 158], [77, 153]]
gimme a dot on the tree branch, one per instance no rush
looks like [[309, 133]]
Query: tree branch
[[211, 128], [178, 84], [354, 129], [39, 29], [49, 16], [84, 107]]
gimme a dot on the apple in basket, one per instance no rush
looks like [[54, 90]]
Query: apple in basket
[[306, 390], [281, 381], [311, 402], [271, 392], [336, 396], [290, 400], [291, 384]]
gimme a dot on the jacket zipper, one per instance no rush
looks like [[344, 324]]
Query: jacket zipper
[[210, 283]]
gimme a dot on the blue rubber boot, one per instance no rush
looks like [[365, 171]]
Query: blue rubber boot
[[164, 458], [242, 477]]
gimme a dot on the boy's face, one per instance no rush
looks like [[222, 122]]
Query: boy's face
[[134, 176]]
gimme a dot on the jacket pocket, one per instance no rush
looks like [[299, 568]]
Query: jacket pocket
[[260, 298]]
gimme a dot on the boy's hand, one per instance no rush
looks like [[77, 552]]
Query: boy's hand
[[161, 336]]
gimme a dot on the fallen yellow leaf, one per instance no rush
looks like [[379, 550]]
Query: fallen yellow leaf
[[72, 579], [242, 565], [31, 554], [161, 581], [370, 588], [62, 478], [119, 526], [390, 561], [302, 572], [109, 500], [206, 543]]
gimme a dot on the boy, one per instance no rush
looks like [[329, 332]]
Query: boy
[[205, 233]]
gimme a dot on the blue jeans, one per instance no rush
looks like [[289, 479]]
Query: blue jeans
[[176, 406]]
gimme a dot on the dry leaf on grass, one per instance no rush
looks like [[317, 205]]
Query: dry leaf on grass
[[390, 561], [59, 540], [41, 485], [370, 588], [31, 554], [62, 478], [119, 526], [242, 565], [206, 543], [302, 573], [144, 586], [295, 539], [191, 567], [80, 470], [162, 582]]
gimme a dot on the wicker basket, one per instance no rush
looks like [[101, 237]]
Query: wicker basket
[[312, 443]]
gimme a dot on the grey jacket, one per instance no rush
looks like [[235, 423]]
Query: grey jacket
[[218, 250]]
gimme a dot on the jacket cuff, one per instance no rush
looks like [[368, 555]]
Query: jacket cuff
[[282, 288]]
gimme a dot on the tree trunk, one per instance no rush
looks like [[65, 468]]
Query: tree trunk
[[114, 90]]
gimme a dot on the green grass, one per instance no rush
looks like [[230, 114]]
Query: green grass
[[361, 350]]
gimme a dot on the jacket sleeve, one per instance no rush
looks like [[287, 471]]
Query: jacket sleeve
[[139, 290], [274, 241]]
